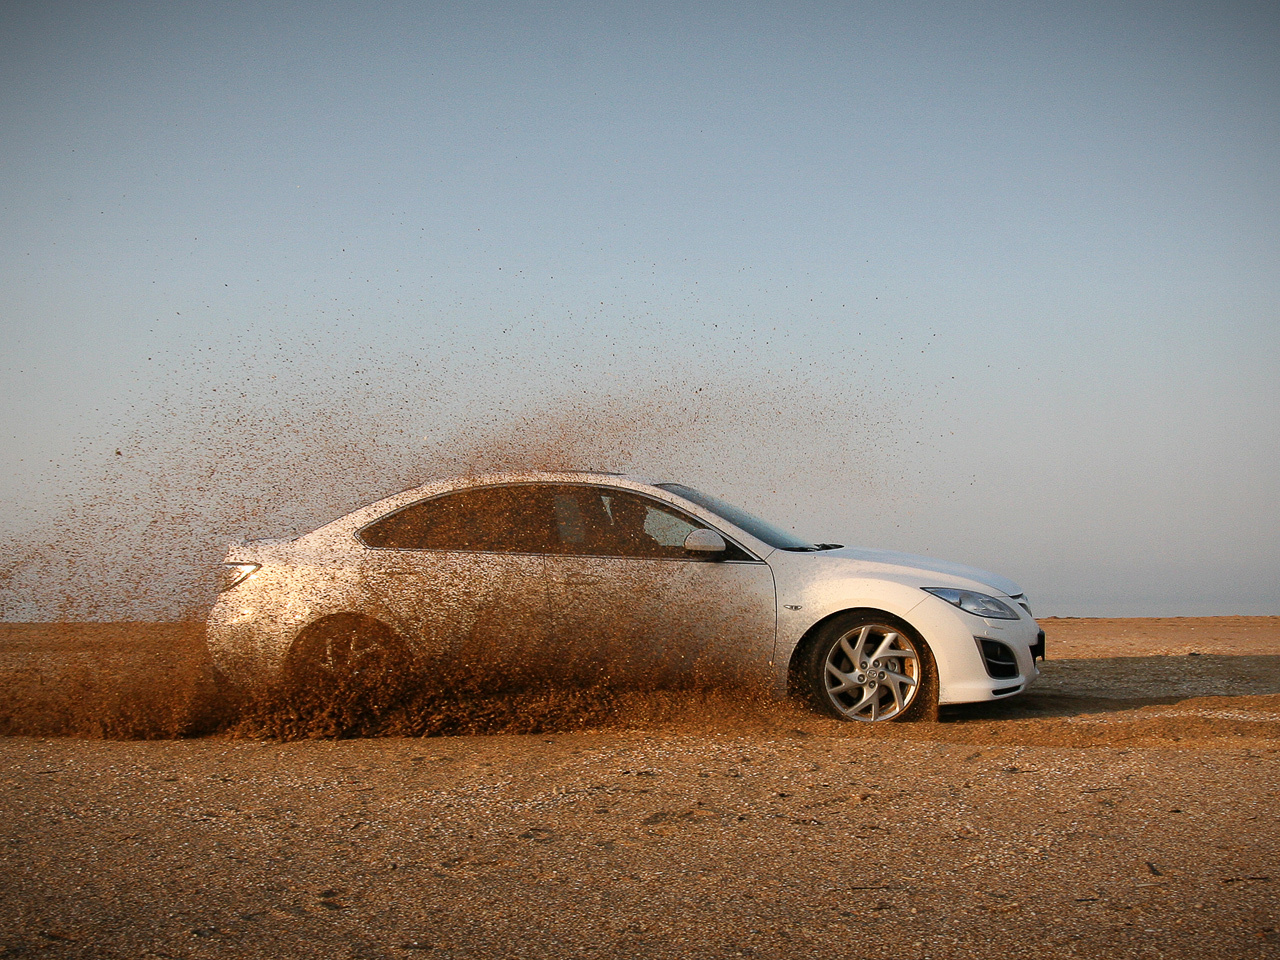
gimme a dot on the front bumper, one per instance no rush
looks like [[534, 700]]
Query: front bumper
[[966, 674]]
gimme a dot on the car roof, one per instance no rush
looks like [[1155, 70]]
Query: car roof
[[532, 476], [439, 485]]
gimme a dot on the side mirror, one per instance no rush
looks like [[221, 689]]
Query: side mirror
[[706, 542]]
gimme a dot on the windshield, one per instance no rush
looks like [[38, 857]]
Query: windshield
[[760, 529]]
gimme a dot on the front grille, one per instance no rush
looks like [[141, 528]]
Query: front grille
[[999, 659]]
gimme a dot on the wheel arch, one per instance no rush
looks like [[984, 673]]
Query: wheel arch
[[344, 619], [811, 635], [803, 665], [356, 604]]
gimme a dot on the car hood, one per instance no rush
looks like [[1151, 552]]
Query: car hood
[[910, 564]]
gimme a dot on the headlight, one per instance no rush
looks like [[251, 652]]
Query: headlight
[[979, 604], [233, 573]]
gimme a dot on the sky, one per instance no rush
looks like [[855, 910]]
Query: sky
[[996, 282]]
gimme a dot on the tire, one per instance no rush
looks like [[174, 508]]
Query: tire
[[349, 661], [871, 667]]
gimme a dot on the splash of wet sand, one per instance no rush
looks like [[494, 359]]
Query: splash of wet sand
[[139, 536], [153, 681]]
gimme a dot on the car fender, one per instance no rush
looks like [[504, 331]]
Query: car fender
[[252, 626], [806, 610]]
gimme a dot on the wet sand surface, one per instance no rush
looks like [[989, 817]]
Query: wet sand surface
[[1126, 807]]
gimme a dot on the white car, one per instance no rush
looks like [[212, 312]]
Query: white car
[[616, 579]]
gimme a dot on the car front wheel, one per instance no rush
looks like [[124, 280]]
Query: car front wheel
[[870, 668]]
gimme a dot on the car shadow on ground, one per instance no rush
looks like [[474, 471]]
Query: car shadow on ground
[[1068, 688]]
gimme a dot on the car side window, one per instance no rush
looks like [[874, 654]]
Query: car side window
[[509, 519], [644, 528], [604, 522]]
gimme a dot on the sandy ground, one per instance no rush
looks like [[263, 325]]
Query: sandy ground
[[1126, 807]]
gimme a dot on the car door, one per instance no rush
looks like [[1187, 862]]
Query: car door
[[463, 573], [627, 602]]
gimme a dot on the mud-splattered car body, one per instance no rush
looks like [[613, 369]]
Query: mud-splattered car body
[[602, 577]]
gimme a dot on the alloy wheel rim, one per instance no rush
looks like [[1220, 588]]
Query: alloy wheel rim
[[872, 673]]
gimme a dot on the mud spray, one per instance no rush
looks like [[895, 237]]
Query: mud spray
[[104, 599]]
